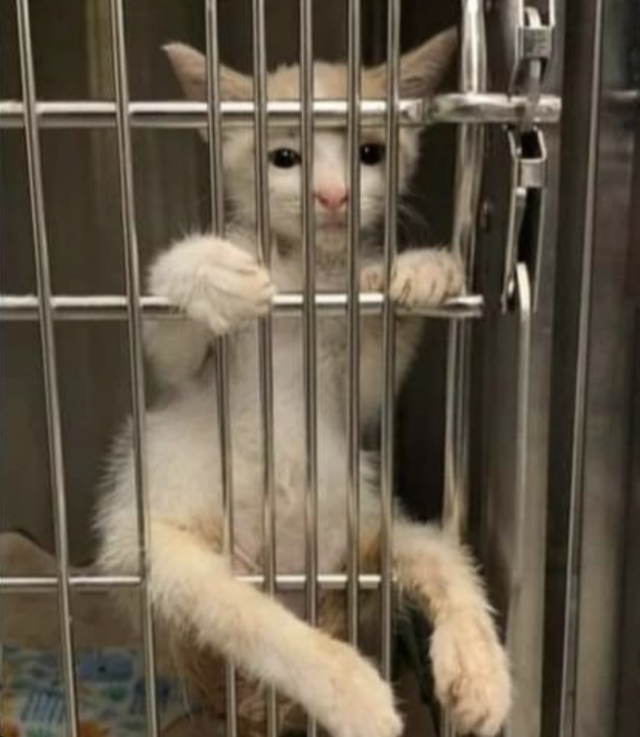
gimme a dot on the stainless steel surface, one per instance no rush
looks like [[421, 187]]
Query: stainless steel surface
[[469, 168], [284, 582], [523, 299], [222, 383], [527, 41], [309, 310], [628, 714], [309, 336], [48, 347], [452, 108], [469, 165], [113, 307], [388, 333], [591, 474], [608, 471], [136, 365], [568, 384], [353, 313], [500, 424], [567, 717], [528, 193], [265, 329]]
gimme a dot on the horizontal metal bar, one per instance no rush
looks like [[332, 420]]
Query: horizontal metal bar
[[284, 582], [451, 108], [41, 584], [113, 307]]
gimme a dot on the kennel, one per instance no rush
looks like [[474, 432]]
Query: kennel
[[509, 400]]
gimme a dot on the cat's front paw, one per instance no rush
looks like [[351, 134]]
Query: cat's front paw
[[420, 278], [471, 673], [426, 277], [361, 703], [214, 282]]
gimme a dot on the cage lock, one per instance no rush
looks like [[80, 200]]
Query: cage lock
[[528, 154], [525, 224], [534, 47]]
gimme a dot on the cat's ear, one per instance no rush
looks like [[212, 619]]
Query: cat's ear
[[190, 68], [421, 70]]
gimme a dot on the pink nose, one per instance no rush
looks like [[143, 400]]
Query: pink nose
[[332, 199]]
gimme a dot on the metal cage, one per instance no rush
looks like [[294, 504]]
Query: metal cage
[[514, 112]]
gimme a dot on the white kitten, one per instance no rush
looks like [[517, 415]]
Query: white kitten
[[222, 289]]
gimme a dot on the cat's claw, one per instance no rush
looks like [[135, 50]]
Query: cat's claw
[[420, 278], [426, 277], [361, 703], [471, 673]]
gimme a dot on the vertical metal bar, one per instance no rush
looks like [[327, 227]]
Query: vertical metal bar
[[388, 326], [524, 309], [473, 74], [265, 328], [578, 407], [353, 317], [309, 317], [214, 120], [468, 180], [48, 346], [134, 319], [222, 383]]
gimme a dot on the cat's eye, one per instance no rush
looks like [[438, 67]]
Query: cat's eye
[[284, 158], [371, 153]]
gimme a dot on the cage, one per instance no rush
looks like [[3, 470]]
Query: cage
[[498, 425]]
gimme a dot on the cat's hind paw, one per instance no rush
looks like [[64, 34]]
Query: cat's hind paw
[[472, 676], [362, 703]]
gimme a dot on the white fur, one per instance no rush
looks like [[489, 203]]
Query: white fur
[[220, 287]]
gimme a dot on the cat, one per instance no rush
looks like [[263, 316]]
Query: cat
[[221, 287]]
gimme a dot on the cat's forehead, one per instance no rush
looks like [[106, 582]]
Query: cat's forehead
[[330, 82]]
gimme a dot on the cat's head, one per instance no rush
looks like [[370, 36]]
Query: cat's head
[[421, 71]]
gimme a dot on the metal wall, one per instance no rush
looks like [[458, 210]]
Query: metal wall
[[591, 655]]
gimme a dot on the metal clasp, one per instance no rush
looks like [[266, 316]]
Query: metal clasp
[[525, 226], [534, 47]]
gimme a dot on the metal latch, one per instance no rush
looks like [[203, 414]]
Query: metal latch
[[532, 53], [525, 225]]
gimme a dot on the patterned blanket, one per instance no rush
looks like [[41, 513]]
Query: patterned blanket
[[111, 694]]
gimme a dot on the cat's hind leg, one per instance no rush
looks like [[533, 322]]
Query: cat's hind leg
[[194, 591], [470, 666]]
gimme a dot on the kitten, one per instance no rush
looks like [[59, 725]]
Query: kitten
[[219, 284]]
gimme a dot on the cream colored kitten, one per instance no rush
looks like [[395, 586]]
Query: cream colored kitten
[[222, 289]]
